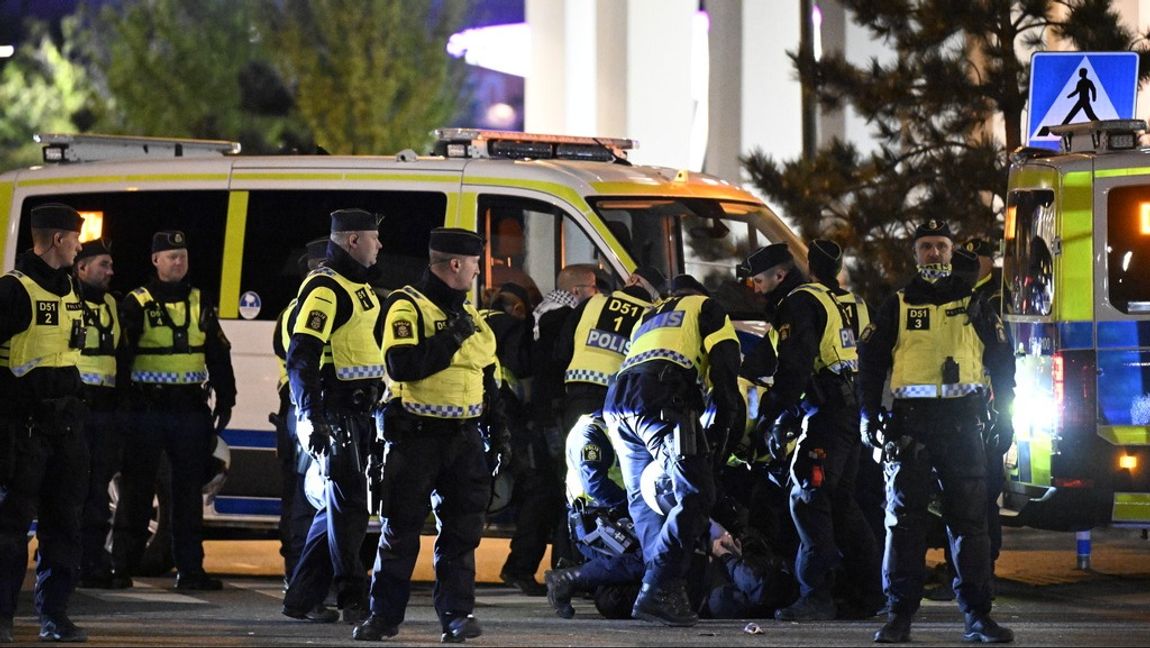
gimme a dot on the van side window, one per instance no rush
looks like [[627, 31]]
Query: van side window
[[529, 242], [1028, 265], [127, 221], [280, 224], [1128, 248]]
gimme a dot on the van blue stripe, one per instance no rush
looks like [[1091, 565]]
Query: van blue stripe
[[247, 505], [1077, 335], [1123, 335], [249, 438]]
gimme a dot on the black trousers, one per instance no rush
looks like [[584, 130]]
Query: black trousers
[[331, 553], [832, 529], [49, 481], [430, 466], [180, 428], [947, 447], [537, 494], [296, 512], [103, 430]]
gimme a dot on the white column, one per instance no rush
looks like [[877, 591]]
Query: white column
[[772, 96], [545, 88], [725, 140]]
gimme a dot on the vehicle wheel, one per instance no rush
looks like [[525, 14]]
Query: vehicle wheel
[[157, 559]]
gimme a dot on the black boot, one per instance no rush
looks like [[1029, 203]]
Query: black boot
[[461, 629], [808, 608], [58, 627], [561, 586], [6, 635], [667, 605], [525, 583], [896, 630], [980, 627], [374, 629]]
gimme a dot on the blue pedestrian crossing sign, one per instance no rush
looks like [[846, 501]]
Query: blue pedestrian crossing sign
[[1075, 87]]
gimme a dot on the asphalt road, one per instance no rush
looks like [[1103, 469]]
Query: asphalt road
[[1040, 595]]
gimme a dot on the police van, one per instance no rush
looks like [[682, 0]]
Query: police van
[[542, 202], [1076, 298]]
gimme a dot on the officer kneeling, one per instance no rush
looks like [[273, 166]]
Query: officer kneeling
[[442, 418]]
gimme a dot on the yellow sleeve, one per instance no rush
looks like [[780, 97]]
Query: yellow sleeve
[[315, 315], [727, 332], [400, 327]]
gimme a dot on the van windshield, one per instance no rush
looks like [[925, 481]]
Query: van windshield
[[1028, 265], [702, 237]]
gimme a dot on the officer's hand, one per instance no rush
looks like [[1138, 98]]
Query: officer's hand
[[1001, 433], [460, 327], [319, 441], [870, 427], [777, 439], [220, 417]]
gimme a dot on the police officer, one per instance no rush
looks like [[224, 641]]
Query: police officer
[[536, 491], [818, 325], [335, 368], [936, 352], [597, 507], [102, 427], [1000, 435], [296, 512], [652, 411], [174, 353], [43, 455], [595, 339], [444, 409]]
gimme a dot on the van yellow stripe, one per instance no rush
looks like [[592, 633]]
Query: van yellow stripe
[[1122, 173], [574, 199], [1125, 435], [151, 177], [233, 261], [465, 213], [6, 191], [339, 175], [1075, 281], [1131, 507]]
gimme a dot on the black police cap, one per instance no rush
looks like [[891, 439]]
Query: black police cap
[[653, 276], [964, 263], [686, 284], [169, 240], [353, 220], [93, 248], [317, 248], [764, 259], [56, 216], [981, 247], [825, 258], [933, 227], [455, 240]]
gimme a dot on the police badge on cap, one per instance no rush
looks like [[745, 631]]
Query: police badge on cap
[[354, 220], [981, 247], [169, 240], [94, 248], [933, 227]]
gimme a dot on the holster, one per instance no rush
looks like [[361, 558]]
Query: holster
[[54, 416], [688, 438], [829, 388]]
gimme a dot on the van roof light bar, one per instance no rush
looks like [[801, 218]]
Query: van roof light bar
[[514, 145], [1100, 136], [74, 147]]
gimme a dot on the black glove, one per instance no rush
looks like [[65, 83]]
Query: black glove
[[459, 327], [1001, 433], [872, 424], [499, 456], [776, 439], [318, 442], [220, 417]]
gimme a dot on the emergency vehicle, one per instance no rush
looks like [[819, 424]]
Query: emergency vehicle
[[1076, 299], [541, 201]]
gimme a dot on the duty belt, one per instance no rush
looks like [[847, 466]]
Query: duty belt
[[956, 390]]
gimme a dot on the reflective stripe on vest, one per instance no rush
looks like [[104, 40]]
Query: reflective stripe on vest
[[838, 348], [928, 334], [156, 360], [97, 363], [455, 392], [46, 341], [602, 337]]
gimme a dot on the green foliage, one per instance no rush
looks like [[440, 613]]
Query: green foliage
[[42, 89], [370, 76], [956, 67]]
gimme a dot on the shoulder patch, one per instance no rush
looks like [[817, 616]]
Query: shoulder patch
[[867, 332], [784, 332], [316, 320], [591, 452], [402, 330]]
